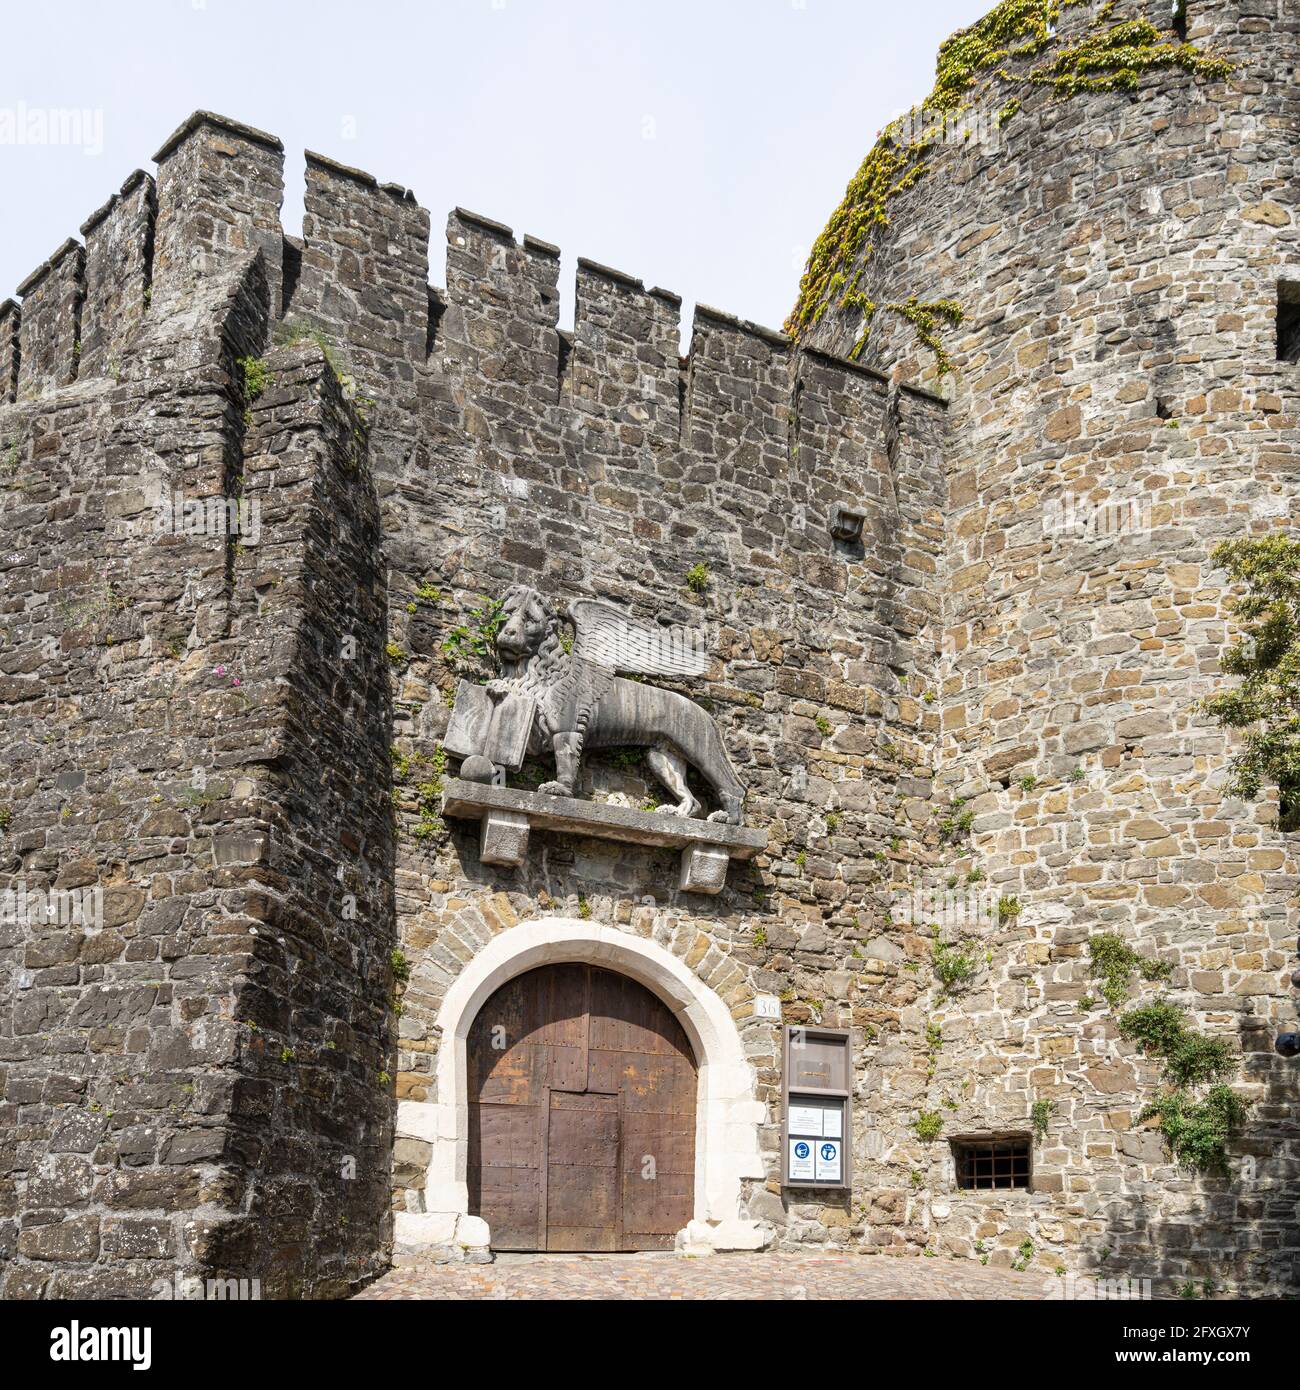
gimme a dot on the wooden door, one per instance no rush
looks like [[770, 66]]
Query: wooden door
[[582, 1114]]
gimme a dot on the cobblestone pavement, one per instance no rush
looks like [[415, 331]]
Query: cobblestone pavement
[[670, 1276]]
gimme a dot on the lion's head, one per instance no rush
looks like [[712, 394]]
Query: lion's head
[[528, 620]]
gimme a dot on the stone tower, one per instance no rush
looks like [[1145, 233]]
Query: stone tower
[[1106, 256], [262, 493]]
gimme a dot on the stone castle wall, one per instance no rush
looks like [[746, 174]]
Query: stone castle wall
[[1117, 408], [216, 1080], [233, 1070], [190, 1076]]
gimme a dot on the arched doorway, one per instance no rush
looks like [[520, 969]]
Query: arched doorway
[[581, 1089]]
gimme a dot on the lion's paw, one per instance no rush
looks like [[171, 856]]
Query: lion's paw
[[555, 789]]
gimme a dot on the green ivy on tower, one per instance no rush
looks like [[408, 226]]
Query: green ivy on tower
[[974, 66]]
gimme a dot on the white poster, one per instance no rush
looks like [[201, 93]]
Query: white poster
[[806, 1119], [828, 1161], [833, 1122], [802, 1163]]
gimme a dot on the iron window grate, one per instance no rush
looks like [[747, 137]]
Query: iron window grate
[[984, 1164]]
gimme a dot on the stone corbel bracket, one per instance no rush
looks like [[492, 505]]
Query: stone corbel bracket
[[508, 816]]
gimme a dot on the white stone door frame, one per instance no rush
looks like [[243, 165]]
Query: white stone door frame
[[728, 1114]]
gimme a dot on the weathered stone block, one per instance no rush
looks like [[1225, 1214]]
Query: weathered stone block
[[136, 1238], [703, 869], [504, 839], [411, 1162], [72, 1241]]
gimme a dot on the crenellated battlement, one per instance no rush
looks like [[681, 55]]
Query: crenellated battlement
[[220, 190], [359, 278], [608, 425], [49, 332], [118, 273], [10, 320]]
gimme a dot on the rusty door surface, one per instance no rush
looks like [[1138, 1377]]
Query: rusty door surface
[[582, 1114]]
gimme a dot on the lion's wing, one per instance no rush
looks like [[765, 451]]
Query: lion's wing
[[606, 636]]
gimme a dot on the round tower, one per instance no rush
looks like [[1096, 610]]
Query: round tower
[[1088, 239]]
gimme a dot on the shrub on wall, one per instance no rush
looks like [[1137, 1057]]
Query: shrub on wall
[[1196, 1123], [1267, 656]]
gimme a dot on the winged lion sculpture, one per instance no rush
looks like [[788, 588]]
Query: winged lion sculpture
[[550, 700]]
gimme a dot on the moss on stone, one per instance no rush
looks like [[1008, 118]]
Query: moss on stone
[[990, 57], [1115, 59]]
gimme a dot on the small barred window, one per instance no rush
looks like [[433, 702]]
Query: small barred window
[[992, 1163]]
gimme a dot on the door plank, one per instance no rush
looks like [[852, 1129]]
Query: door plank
[[582, 1114], [582, 1177], [503, 1172]]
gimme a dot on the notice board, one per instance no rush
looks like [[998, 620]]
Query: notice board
[[816, 1118]]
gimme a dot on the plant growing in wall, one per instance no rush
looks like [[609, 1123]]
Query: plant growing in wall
[[928, 1125], [471, 646], [954, 964], [1196, 1132], [428, 792], [1197, 1112], [927, 320], [1040, 1116], [1008, 910], [255, 377], [1114, 962], [958, 822], [933, 1046], [1266, 704]]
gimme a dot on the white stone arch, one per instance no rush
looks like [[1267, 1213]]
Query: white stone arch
[[728, 1114]]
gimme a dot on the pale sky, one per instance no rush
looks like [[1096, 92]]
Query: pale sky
[[699, 146]]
